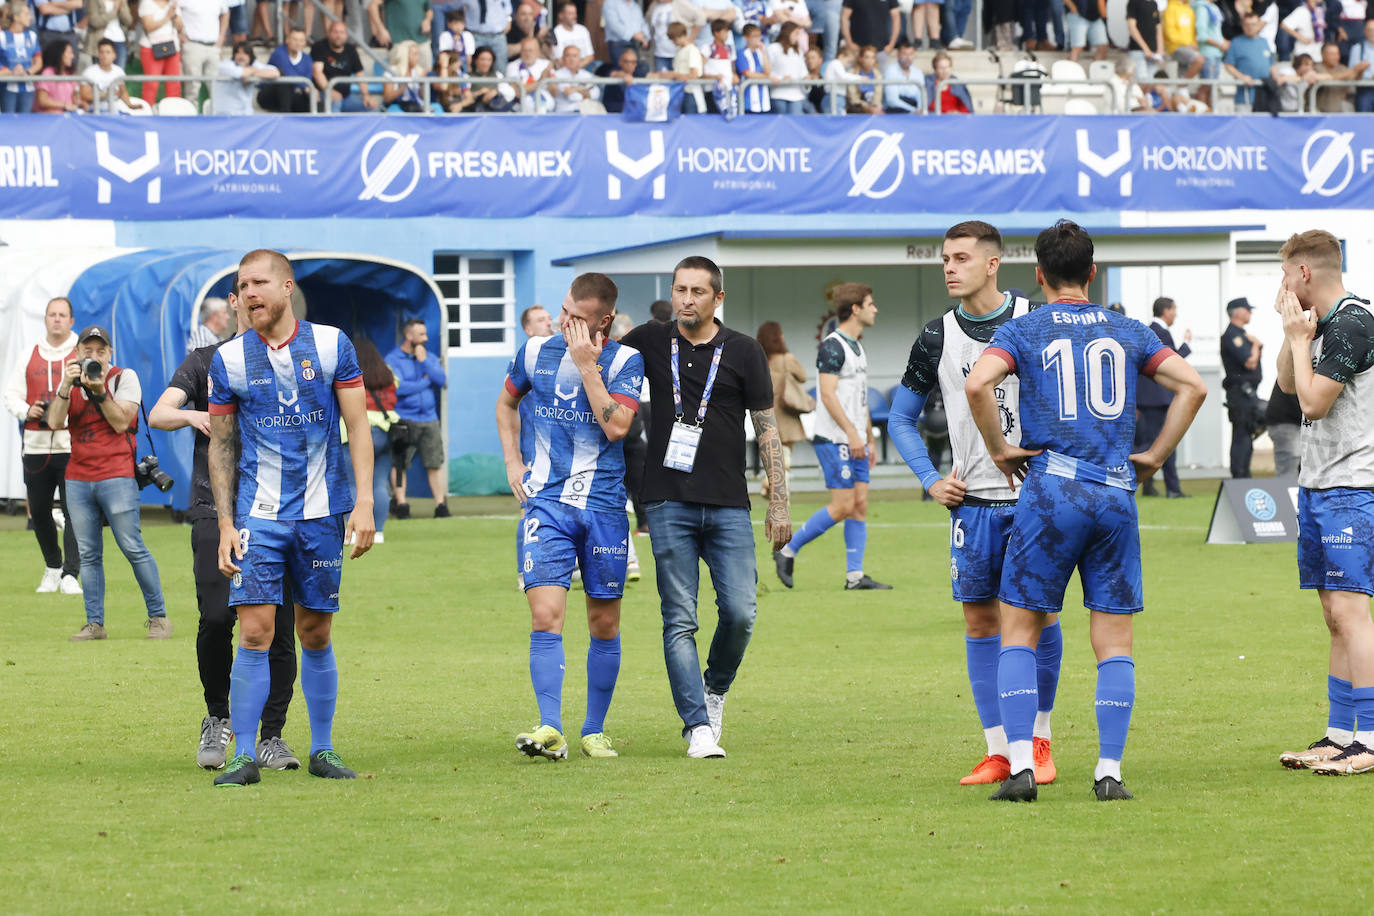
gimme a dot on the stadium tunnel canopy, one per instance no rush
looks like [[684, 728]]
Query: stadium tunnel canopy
[[150, 300]]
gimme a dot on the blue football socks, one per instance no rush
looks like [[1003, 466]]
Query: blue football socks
[[1016, 695], [603, 667], [546, 674], [1115, 699], [249, 683], [1049, 652], [982, 656], [1340, 716], [855, 542], [817, 525], [320, 684], [1364, 714]]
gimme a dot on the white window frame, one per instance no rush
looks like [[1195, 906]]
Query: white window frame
[[463, 302]]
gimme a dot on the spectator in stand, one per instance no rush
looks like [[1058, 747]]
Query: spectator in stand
[[688, 64], [1306, 26], [954, 23], [568, 32], [625, 27], [159, 48], [1126, 92], [925, 21], [107, 19], [262, 24], [486, 97], [794, 11], [292, 8], [1351, 17], [759, 13], [1157, 98], [815, 93], [1087, 25], [18, 55], [999, 17], [57, 21], [1036, 16], [753, 63], [1250, 59], [395, 21], [290, 59], [1180, 37], [719, 64], [1331, 99], [409, 61], [1291, 81], [59, 59], [569, 94], [214, 322], [627, 69], [204, 26], [864, 97], [904, 88], [875, 23], [233, 93], [455, 97], [1146, 42], [1362, 68], [523, 25], [527, 70], [1211, 41], [954, 98], [839, 73], [333, 57], [714, 11], [238, 22], [420, 376], [788, 62], [828, 16], [455, 38], [660, 17], [101, 76]]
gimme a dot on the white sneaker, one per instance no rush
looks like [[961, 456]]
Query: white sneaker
[[59, 518], [715, 713], [960, 44], [70, 586], [52, 579], [378, 538], [700, 743]]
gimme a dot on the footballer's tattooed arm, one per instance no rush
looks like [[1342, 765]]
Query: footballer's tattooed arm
[[224, 434], [777, 525]]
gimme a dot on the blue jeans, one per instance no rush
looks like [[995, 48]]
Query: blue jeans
[[825, 16], [117, 500], [381, 470], [788, 106], [351, 103], [682, 534], [954, 19], [16, 102]]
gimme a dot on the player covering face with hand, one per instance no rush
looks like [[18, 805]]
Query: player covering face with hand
[[584, 391], [981, 504]]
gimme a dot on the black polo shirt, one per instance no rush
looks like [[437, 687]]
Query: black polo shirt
[[743, 382], [192, 379]]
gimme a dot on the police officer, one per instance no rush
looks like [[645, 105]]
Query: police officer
[[1240, 360]]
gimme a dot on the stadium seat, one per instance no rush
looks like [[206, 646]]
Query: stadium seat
[[1077, 106], [1101, 70], [175, 106], [878, 411]]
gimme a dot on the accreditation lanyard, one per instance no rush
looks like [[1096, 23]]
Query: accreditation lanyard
[[681, 453]]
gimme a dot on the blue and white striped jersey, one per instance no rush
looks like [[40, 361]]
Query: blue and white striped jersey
[[571, 460], [292, 461]]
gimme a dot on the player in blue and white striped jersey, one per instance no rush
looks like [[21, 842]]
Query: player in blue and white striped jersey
[[1078, 364], [570, 477], [277, 394]]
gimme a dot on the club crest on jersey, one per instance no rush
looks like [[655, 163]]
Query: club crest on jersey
[[307, 371], [953, 569]]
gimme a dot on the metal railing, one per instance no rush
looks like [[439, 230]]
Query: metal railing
[[837, 91], [1032, 88], [104, 101], [425, 84]]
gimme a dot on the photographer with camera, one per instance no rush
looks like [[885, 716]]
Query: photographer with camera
[[30, 389], [98, 402], [186, 402]]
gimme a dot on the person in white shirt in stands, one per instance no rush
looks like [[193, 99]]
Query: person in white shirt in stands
[[101, 75], [904, 90], [456, 38], [569, 31], [788, 60], [527, 70], [236, 98], [568, 97], [204, 25]]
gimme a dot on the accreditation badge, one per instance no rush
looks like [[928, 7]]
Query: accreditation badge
[[682, 447]]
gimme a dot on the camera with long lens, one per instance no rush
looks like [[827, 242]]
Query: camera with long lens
[[91, 370], [147, 472]]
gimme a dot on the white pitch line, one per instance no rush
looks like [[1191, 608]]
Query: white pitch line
[[759, 524]]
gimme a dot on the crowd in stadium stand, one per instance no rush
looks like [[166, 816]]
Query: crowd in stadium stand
[[733, 56]]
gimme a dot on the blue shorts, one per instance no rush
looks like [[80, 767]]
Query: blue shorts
[[554, 539], [309, 551], [1064, 524], [977, 543], [840, 471], [1336, 540]]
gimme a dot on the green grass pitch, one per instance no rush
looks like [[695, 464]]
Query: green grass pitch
[[847, 731]]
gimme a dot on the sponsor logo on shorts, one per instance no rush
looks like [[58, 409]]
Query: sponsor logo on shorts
[[1335, 574], [327, 564], [1343, 537], [619, 551]]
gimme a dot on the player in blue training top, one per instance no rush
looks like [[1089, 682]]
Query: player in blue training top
[[1077, 363], [584, 391], [981, 504], [277, 394]]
